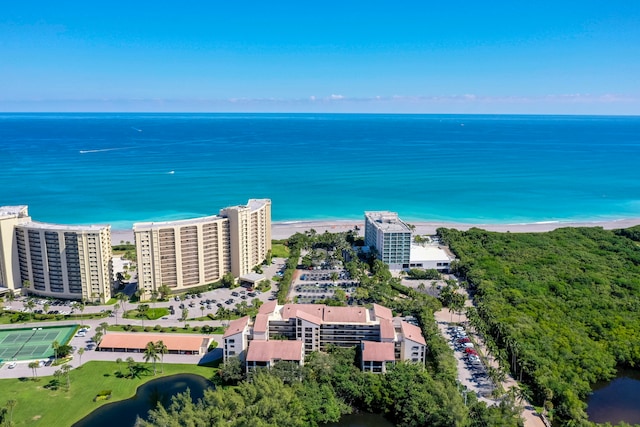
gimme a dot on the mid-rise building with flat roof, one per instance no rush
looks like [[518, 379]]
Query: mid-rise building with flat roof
[[54, 260], [390, 237], [195, 252]]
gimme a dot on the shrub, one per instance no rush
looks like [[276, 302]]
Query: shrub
[[157, 328], [147, 328], [174, 328], [196, 328]]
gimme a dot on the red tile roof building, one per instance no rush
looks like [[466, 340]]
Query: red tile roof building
[[136, 342], [318, 326]]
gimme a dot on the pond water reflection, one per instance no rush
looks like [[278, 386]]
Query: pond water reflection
[[125, 412], [616, 400]]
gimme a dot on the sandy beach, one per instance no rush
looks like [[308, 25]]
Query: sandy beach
[[282, 230]]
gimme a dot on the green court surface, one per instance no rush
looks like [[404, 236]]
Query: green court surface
[[32, 343]]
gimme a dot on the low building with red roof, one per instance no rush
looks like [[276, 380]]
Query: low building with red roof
[[376, 356], [133, 342], [264, 354]]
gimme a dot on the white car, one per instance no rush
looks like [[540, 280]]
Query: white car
[[12, 365]]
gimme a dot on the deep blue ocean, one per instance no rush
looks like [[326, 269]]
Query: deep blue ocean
[[123, 168]]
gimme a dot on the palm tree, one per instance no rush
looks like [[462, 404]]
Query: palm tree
[[334, 277], [11, 296], [116, 307], [162, 349], [80, 353], [97, 338], [165, 290], [26, 285], [151, 353], [65, 370], [131, 364], [256, 303], [34, 366], [81, 307], [46, 306], [142, 312], [202, 309], [154, 297], [118, 362], [56, 346], [122, 297], [104, 326], [11, 403], [30, 305]]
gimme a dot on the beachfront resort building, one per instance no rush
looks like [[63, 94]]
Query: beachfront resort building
[[385, 232], [292, 331], [54, 260], [195, 252]]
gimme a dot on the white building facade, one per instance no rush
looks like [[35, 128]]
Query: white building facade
[[390, 237]]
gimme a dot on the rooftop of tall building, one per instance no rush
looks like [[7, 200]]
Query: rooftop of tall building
[[387, 221]]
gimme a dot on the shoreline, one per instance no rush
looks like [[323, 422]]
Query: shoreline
[[284, 229]]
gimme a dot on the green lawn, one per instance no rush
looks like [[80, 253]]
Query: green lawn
[[150, 314], [279, 250], [37, 405], [18, 318]]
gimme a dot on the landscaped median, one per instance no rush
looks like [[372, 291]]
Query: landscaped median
[[38, 403]]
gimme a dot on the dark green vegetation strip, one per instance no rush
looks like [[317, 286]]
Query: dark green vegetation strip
[[561, 306]]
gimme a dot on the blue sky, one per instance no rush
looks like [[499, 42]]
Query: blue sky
[[538, 57]]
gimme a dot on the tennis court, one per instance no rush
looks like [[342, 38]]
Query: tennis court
[[32, 343]]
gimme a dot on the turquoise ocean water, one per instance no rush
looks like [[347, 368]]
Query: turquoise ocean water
[[123, 168]]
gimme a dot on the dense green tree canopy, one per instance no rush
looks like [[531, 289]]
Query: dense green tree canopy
[[563, 305]]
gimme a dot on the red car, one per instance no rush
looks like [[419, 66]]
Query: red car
[[470, 351]]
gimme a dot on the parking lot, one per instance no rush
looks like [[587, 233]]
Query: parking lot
[[313, 286], [472, 373]]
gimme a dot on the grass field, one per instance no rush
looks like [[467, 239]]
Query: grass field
[[279, 250], [37, 405], [32, 343]]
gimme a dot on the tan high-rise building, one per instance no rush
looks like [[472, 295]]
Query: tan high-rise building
[[66, 261], [10, 216], [250, 234], [195, 252], [54, 260]]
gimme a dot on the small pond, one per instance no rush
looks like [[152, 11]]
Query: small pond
[[616, 400], [125, 412]]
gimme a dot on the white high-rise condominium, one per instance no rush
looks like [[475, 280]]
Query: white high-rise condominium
[[386, 233]]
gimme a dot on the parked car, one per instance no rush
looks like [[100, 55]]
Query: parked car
[[12, 365]]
